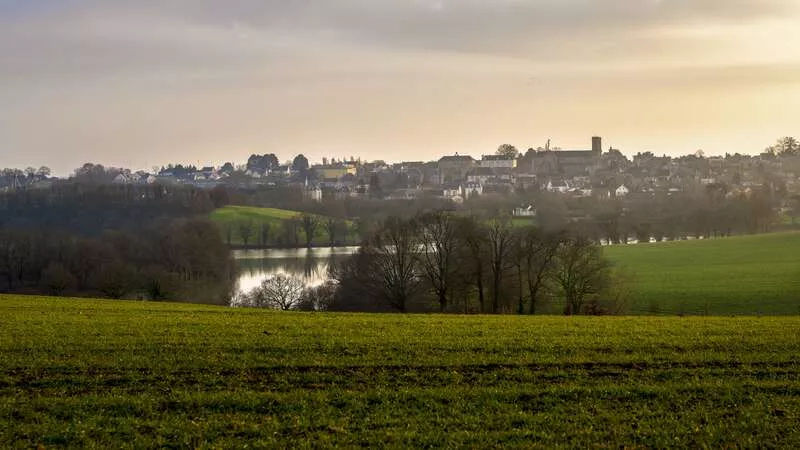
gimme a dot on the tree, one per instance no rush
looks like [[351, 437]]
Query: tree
[[580, 271], [290, 228], [263, 235], [794, 208], [375, 190], [114, 279], [300, 163], [271, 161], [279, 292], [500, 237], [227, 168], [246, 229], [333, 227], [319, 298], [396, 249], [537, 252], [43, 172], [508, 150], [439, 253], [310, 224], [477, 242], [786, 146], [57, 279]]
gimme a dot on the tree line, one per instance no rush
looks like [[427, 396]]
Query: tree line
[[92, 239], [445, 262], [174, 260]]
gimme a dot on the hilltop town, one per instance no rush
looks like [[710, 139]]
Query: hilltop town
[[594, 173]]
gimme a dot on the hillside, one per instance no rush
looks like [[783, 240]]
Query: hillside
[[81, 373], [230, 217], [738, 275]]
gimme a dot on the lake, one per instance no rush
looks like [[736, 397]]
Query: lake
[[310, 265]]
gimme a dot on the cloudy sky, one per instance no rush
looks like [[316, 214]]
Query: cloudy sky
[[142, 83]]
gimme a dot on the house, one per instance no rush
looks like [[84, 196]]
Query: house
[[622, 191], [480, 175], [452, 192], [472, 190], [454, 169], [498, 162], [557, 185], [314, 193], [335, 171], [530, 211]]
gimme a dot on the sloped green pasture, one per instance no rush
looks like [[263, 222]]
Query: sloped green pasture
[[103, 374], [232, 216], [739, 275]]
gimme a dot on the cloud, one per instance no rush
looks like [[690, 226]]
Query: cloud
[[189, 77]]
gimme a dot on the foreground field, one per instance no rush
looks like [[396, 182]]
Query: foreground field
[[78, 373], [740, 275]]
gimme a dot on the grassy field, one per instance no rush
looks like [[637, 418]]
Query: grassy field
[[232, 215], [739, 275], [79, 373]]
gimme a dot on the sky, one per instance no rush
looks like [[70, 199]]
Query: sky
[[147, 82]]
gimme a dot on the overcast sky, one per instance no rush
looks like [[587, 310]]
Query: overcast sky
[[146, 82]]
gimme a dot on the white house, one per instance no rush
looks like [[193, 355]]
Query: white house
[[622, 191], [315, 193], [525, 212], [453, 192], [559, 186], [480, 175], [472, 190]]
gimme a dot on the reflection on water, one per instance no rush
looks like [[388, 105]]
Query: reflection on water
[[311, 265]]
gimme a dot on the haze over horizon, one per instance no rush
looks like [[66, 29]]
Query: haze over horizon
[[144, 83]]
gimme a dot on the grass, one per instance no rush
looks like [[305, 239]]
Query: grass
[[82, 373], [739, 275], [230, 216]]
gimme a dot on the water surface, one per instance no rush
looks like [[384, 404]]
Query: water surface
[[310, 265]]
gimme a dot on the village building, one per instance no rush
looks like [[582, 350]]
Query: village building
[[454, 169], [498, 162], [568, 163]]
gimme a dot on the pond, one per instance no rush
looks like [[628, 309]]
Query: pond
[[310, 265]]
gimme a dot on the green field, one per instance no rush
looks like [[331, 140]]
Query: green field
[[230, 216], [740, 275], [80, 373]]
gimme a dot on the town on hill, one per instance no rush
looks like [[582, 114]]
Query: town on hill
[[593, 172]]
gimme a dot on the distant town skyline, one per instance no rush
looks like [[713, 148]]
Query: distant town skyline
[[141, 84]]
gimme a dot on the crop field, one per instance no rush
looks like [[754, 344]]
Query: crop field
[[231, 215], [82, 373], [739, 275]]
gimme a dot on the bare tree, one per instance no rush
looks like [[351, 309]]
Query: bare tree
[[263, 235], [279, 292], [246, 229], [501, 258], [396, 247], [581, 271], [332, 228], [477, 243], [228, 233], [438, 256], [537, 252], [290, 231], [319, 298], [309, 224]]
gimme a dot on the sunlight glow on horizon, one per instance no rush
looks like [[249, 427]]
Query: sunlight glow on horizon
[[86, 82]]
